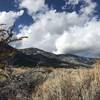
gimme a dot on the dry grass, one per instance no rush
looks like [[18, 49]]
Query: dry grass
[[20, 70], [70, 84], [67, 84]]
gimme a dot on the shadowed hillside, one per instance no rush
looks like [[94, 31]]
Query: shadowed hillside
[[33, 57]]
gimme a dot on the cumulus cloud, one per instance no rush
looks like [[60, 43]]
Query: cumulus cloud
[[89, 8], [65, 32], [72, 2], [47, 29], [80, 40], [10, 17], [32, 5]]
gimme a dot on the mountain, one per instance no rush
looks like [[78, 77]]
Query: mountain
[[33, 57], [76, 59]]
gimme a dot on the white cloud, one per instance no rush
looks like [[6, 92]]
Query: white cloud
[[89, 7], [80, 40], [73, 2], [47, 29], [62, 32], [32, 5], [10, 17]]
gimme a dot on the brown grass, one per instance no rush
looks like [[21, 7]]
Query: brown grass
[[66, 84], [20, 70], [70, 84]]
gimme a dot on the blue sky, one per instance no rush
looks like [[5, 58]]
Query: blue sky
[[58, 26], [11, 5]]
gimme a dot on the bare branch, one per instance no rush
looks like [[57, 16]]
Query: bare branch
[[6, 37], [15, 40]]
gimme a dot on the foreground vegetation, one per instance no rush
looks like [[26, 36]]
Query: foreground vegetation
[[60, 84], [69, 84]]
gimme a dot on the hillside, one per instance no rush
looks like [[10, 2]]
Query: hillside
[[39, 75], [33, 57]]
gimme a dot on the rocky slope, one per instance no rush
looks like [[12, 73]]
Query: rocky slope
[[34, 57]]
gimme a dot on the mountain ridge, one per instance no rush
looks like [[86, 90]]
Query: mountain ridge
[[34, 57], [65, 59]]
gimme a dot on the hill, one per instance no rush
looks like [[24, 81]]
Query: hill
[[34, 57]]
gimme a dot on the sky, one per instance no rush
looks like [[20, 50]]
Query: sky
[[57, 26]]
